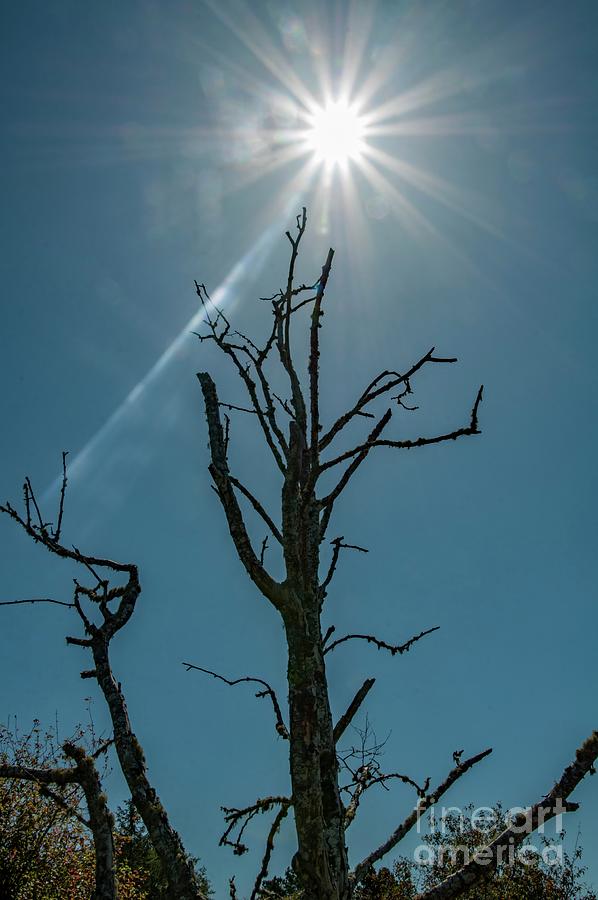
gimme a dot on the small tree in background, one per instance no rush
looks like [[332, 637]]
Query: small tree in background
[[326, 787]]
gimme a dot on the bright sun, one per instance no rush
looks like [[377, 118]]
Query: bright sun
[[336, 134]]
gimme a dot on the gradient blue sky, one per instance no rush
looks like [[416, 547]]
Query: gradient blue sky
[[140, 151]]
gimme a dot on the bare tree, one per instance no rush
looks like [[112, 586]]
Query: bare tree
[[313, 477], [113, 606], [301, 448]]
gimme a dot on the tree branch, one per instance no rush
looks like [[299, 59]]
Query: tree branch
[[37, 600], [257, 507], [224, 485], [348, 716], [382, 645], [314, 360], [372, 392], [267, 692], [423, 804], [235, 816], [267, 418], [280, 815], [338, 545], [360, 454], [283, 339], [553, 804], [471, 429]]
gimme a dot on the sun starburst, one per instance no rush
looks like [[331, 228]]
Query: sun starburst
[[336, 133]]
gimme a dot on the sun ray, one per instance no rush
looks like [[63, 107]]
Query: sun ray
[[410, 217], [266, 166], [253, 35], [457, 199], [358, 30]]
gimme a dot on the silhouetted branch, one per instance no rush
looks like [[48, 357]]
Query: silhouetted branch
[[266, 418], [222, 479], [554, 804], [382, 645], [63, 485], [328, 502], [423, 804], [374, 390], [267, 692], [242, 817], [337, 545], [362, 449], [231, 406], [280, 815], [348, 716], [257, 507], [365, 778], [41, 535], [314, 360], [36, 600], [283, 331]]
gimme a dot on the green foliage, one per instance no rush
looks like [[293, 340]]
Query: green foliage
[[46, 853], [452, 844], [135, 850], [449, 847]]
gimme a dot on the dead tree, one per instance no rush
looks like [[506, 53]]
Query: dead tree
[[103, 610], [83, 773], [301, 448]]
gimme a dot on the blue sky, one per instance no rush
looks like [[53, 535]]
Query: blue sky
[[144, 146]]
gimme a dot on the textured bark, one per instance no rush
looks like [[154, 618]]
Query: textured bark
[[177, 867], [321, 860], [100, 822]]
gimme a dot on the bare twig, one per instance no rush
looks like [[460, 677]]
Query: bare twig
[[36, 600], [423, 804], [369, 775], [314, 358], [278, 818], [263, 550], [382, 645], [360, 455], [337, 545], [362, 449], [374, 390], [267, 692], [231, 406], [58, 529], [242, 817]]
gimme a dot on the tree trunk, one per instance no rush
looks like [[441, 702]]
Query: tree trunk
[[321, 860], [177, 867]]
